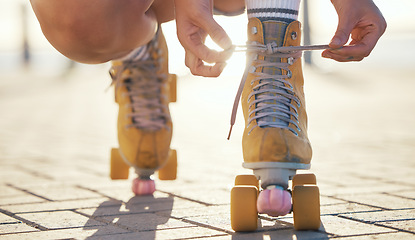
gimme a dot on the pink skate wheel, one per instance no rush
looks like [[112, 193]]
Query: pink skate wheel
[[143, 186], [274, 202]]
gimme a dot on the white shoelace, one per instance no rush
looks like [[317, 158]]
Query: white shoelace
[[271, 98], [144, 89]]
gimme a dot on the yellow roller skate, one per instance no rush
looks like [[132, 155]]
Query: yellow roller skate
[[143, 90], [275, 143]]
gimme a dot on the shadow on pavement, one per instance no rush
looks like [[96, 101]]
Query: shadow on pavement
[[134, 216], [281, 230]]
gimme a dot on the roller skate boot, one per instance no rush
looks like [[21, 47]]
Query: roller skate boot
[[275, 142], [143, 91]]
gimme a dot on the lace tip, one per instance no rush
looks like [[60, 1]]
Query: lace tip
[[229, 135]]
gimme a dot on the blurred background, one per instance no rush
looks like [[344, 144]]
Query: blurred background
[[51, 104], [23, 45]]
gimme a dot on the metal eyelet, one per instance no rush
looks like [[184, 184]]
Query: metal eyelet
[[254, 30], [290, 61], [252, 70], [289, 74], [294, 35]]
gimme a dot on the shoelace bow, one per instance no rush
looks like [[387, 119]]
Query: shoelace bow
[[281, 95], [143, 85]]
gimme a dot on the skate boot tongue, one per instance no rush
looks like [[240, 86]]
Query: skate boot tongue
[[274, 113]]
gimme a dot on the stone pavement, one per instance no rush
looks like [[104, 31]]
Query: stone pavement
[[56, 133]]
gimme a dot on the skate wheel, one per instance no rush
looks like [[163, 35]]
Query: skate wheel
[[306, 207], [244, 215], [143, 186], [119, 169], [247, 179], [304, 179], [169, 170], [173, 87]]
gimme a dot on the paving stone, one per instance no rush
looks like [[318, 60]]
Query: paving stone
[[405, 194], [145, 222], [382, 216], [6, 219], [164, 205], [6, 191], [177, 233], [196, 211], [345, 227], [95, 232], [223, 222], [336, 209], [124, 193], [59, 205], [60, 219], [407, 225], [380, 200], [60, 193], [19, 200], [381, 236], [15, 228]]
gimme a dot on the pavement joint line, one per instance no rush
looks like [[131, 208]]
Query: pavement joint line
[[15, 233], [203, 237], [23, 220], [188, 199], [394, 195], [202, 225], [97, 192], [90, 171], [374, 223], [364, 204], [361, 235], [103, 220], [36, 174], [394, 228], [28, 192]]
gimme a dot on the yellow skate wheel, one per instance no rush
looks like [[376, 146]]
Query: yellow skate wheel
[[173, 87], [119, 169], [169, 170], [244, 214], [247, 179], [304, 179], [306, 207]]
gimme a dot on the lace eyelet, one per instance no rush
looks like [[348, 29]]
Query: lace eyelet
[[254, 30], [289, 74], [290, 61], [294, 35]]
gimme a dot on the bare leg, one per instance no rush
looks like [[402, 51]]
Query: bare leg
[[97, 31]]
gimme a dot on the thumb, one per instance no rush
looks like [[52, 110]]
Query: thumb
[[342, 34], [218, 34]]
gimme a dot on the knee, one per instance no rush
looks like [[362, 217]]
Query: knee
[[85, 32]]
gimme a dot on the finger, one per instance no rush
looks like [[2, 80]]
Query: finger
[[341, 58], [340, 38], [199, 68], [358, 48], [195, 44], [217, 33]]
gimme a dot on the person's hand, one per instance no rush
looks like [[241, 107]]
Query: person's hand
[[364, 22], [194, 19]]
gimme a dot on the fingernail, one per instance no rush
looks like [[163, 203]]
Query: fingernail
[[335, 41], [226, 43]]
